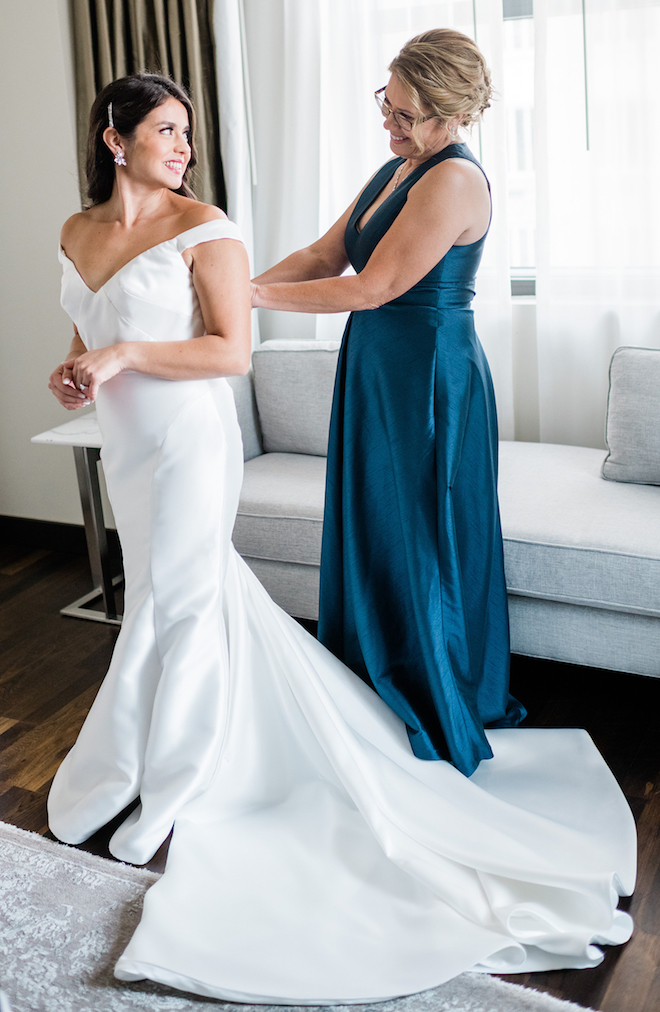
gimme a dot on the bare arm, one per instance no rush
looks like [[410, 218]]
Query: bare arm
[[221, 279], [450, 202], [306, 264]]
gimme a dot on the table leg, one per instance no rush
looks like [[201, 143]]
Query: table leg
[[87, 459]]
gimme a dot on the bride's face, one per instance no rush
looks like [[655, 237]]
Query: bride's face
[[160, 151]]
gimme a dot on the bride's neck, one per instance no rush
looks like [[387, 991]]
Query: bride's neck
[[130, 203]]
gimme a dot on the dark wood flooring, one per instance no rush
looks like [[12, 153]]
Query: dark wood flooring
[[51, 668]]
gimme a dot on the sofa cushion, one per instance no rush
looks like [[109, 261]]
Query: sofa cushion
[[633, 417], [294, 394], [280, 514], [570, 536]]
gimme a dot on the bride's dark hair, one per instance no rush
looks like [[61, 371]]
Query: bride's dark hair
[[132, 99]]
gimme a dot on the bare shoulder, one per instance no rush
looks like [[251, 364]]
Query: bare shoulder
[[193, 213], [76, 227], [455, 177], [451, 199], [452, 195]]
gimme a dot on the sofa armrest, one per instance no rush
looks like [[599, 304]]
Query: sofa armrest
[[248, 417]]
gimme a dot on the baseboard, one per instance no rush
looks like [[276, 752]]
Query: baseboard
[[22, 532]]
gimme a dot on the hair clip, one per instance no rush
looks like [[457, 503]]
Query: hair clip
[[111, 122]]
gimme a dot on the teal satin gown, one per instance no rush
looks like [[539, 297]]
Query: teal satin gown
[[413, 596]]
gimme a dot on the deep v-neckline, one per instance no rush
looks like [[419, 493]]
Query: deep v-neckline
[[356, 224], [358, 213], [116, 273]]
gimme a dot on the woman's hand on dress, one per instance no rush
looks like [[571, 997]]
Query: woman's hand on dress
[[64, 388], [94, 368]]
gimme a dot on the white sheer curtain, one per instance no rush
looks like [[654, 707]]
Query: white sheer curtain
[[313, 68], [236, 127], [283, 56], [598, 232]]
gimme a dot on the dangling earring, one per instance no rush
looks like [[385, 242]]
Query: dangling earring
[[119, 155], [452, 132]]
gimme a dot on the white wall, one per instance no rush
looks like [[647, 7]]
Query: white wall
[[39, 191]]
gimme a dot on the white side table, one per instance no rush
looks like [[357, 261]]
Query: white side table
[[83, 434]]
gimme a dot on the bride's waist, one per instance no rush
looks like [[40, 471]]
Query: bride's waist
[[133, 405]]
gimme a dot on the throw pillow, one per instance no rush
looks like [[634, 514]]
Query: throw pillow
[[633, 417]]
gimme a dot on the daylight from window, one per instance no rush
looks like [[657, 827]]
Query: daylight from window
[[518, 93]]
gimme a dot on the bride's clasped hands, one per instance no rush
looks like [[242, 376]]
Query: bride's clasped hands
[[92, 368]]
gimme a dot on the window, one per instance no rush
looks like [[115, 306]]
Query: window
[[518, 87]]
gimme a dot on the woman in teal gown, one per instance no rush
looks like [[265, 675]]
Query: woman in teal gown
[[413, 596]]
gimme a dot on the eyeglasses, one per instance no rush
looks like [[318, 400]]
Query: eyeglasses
[[402, 120]]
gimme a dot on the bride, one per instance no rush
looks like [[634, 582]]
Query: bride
[[314, 859]]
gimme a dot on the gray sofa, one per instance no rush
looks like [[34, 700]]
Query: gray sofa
[[582, 554]]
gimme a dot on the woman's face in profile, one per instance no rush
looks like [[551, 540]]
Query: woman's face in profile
[[160, 150], [429, 133]]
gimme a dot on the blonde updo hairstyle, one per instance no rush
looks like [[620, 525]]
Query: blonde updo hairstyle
[[445, 75]]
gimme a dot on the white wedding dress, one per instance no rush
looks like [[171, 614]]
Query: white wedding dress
[[314, 859]]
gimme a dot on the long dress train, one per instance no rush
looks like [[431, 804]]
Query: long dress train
[[314, 858]]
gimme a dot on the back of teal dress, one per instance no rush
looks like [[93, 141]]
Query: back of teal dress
[[413, 597]]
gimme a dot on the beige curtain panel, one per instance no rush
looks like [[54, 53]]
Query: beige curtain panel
[[112, 38]]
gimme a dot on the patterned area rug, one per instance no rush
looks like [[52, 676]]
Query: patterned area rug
[[66, 916]]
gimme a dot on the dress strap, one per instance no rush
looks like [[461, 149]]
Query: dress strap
[[218, 228], [455, 150]]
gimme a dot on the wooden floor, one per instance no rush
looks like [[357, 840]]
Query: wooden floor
[[51, 668]]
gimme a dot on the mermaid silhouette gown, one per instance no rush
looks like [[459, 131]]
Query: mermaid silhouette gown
[[314, 858], [413, 596]]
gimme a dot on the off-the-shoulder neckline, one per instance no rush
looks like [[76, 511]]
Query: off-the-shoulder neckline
[[150, 249]]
